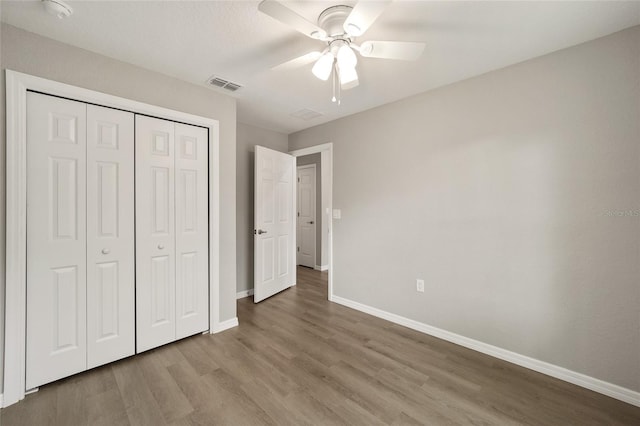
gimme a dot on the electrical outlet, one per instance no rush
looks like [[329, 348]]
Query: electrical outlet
[[420, 286]]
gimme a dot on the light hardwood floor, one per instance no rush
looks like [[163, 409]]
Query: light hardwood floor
[[298, 359]]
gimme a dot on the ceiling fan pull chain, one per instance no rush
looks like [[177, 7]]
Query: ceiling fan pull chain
[[333, 99], [339, 91]]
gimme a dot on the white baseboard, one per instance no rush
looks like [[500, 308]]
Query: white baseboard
[[225, 325], [244, 293], [597, 385], [321, 268], [30, 391]]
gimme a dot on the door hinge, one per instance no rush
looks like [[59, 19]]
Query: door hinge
[[298, 214], [298, 248], [298, 179]]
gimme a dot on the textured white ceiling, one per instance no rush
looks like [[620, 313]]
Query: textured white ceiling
[[231, 39]]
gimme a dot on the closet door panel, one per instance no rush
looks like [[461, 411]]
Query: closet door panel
[[110, 235], [192, 244], [155, 232], [56, 239]]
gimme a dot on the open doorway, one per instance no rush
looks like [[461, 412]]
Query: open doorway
[[319, 200]]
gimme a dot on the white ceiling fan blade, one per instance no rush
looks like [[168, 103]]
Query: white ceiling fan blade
[[282, 13], [298, 62], [363, 15], [404, 50]]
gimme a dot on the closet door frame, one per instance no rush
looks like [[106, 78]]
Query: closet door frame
[[17, 85]]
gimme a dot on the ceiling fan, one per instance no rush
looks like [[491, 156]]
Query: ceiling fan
[[338, 27]]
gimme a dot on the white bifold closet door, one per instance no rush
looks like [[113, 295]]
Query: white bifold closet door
[[80, 276], [192, 230], [110, 235], [171, 231]]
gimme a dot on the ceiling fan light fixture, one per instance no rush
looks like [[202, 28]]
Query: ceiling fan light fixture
[[346, 57], [323, 66], [348, 77]]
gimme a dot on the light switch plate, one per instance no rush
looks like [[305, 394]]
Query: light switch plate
[[337, 214]]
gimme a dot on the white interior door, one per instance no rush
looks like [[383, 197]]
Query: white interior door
[[306, 228], [56, 239], [110, 235], [155, 233], [192, 230], [275, 226]]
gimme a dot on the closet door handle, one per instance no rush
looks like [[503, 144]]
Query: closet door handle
[[105, 251], [160, 246]]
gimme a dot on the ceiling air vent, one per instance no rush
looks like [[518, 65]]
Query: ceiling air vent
[[306, 114], [223, 84]]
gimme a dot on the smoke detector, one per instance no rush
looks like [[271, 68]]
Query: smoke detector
[[58, 8]]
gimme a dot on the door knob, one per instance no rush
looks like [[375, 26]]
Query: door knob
[[260, 232], [105, 251], [160, 246], [310, 223]]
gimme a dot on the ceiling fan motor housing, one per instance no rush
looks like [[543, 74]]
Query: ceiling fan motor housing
[[332, 20]]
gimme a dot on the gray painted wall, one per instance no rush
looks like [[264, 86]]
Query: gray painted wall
[[507, 194], [303, 161], [32, 54], [248, 137]]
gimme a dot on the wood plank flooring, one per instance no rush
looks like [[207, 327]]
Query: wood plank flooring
[[298, 359]]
